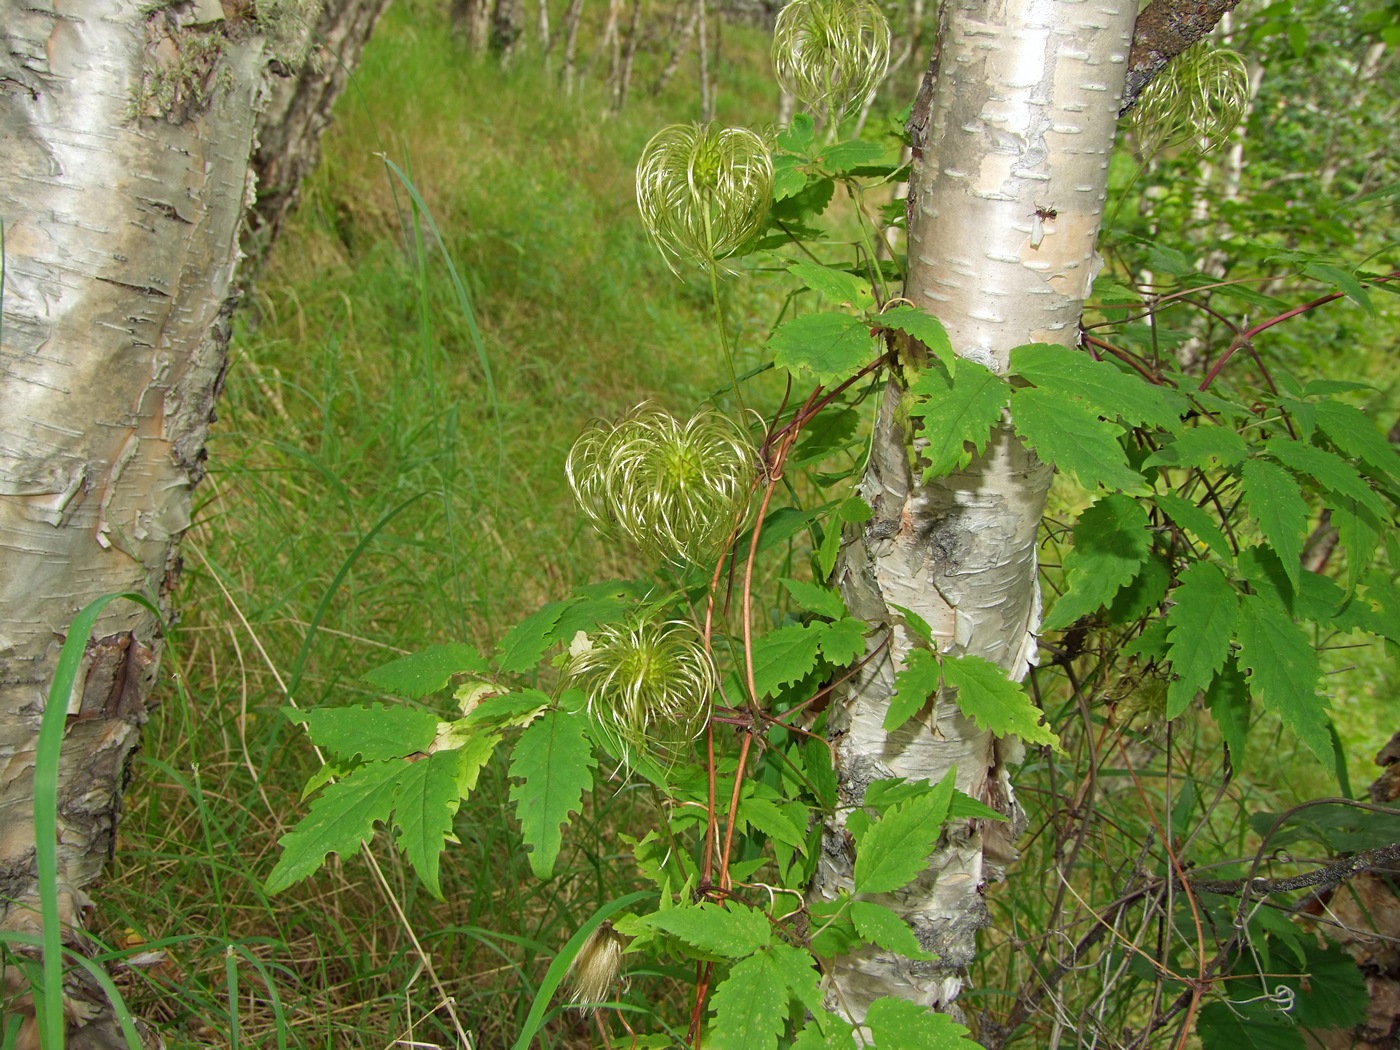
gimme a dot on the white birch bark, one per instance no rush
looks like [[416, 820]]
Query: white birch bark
[[129, 132], [1022, 120]]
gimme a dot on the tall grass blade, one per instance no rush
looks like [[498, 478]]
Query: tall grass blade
[[463, 301], [51, 728]]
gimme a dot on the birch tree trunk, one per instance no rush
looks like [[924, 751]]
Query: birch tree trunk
[[1022, 118], [129, 133]]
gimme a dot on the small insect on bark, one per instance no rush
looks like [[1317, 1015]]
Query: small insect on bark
[[1042, 216]]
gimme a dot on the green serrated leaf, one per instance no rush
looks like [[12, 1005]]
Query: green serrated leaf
[[1355, 434], [426, 797], [825, 1032], [842, 641], [1227, 700], [821, 773], [958, 412], [340, 822], [893, 850], [838, 287], [1206, 447], [553, 765], [1332, 473], [798, 136], [854, 153], [879, 924], [525, 643], [784, 656], [1257, 1025], [472, 758], [994, 702], [370, 733], [1359, 532], [913, 685], [750, 1006], [1145, 593], [1276, 503], [1203, 619], [1111, 542], [789, 177], [915, 624], [924, 327], [426, 672], [1343, 281], [1283, 672], [898, 1024], [509, 709], [799, 974], [764, 815], [1107, 390], [830, 432], [1193, 519], [815, 598], [823, 348], [1068, 433], [732, 932], [965, 807]]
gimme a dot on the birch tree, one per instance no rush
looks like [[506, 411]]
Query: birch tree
[[124, 186]]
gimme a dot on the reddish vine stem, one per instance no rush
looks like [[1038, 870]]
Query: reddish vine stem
[[1249, 333]]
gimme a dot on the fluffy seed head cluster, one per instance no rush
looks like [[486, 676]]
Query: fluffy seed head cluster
[[648, 686], [1201, 96], [595, 968], [703, 190], [676, 489], [831, 54]]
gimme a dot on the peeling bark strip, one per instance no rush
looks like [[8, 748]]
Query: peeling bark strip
[[1022, 118], [1164, 30], [124, 179]]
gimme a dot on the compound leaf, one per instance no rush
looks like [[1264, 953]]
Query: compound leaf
[[784, 656], [552, 764], [891, 851], [1206, 447], [924, 327], [843, 641], [913, 685], [815, 598], [526, 642], [1109, 392], [1276, 503], [827, 347], [750, 1006]]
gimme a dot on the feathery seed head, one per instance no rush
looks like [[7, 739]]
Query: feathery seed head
[[676, 489], [1201, 96], [703, 191], [595, 968], [831, 54], [648, 686]]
